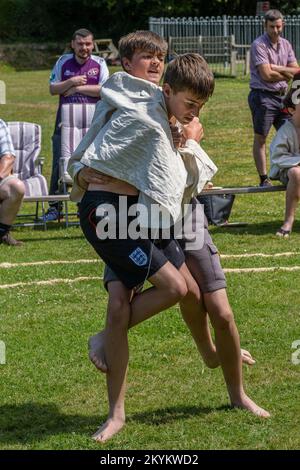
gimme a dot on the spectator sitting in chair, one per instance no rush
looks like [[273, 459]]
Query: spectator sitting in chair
[[285, 157], [76, 78], [11, 188]]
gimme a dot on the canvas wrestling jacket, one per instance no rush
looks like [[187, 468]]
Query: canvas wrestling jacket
[[130, 139]]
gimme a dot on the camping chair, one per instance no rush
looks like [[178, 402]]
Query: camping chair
[[26, 138], [76, 119]]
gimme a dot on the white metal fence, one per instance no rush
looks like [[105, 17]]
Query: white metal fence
[[244, 29]]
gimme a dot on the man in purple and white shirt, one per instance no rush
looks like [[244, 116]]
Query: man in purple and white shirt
[[272, 65], [76, 78]]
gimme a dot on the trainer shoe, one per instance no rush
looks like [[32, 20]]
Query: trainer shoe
[[51, 215], [267, 183], [7, 239], [67, 178]]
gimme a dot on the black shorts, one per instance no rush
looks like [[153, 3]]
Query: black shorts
[[266, 110], [132, 260]]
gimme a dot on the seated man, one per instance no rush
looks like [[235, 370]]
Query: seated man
[[285, 157], [11, 188]]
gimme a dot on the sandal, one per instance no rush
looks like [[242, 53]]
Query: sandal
[[283, 233]]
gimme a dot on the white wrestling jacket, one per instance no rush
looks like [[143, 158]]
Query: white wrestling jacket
[[136, 146]]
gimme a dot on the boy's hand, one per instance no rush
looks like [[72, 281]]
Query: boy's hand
[[89, 175], [176, 135], [193, 130]]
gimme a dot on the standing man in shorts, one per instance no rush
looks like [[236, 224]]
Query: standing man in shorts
[[272, 65]]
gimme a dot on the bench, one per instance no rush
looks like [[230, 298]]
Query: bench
[[102, 47], [42, 199], [212, 48], [215, 50], [206, 192], [105, 48], [243, 190]]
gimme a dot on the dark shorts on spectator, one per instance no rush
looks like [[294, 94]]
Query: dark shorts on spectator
[[267, 110]]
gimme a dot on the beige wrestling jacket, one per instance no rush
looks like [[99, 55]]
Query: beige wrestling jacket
[[135, 145]]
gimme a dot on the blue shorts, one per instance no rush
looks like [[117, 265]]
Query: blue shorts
[[132, 260], [266, 108]]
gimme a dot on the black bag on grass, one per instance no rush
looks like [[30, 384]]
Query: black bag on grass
[[217, 208]]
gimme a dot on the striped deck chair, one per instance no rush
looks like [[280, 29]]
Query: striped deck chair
[[76, 119], [26, 138]]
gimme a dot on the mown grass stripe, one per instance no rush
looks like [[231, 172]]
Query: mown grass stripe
[[98, 278], [50, 282], [261, 255], [47, 262], [92, 261], [261, 270]]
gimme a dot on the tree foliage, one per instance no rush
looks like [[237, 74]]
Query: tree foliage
[[55, 20]]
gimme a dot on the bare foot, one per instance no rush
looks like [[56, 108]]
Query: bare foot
[[111, 427], [96, 351], [246, 403], [211, 359], [247, 358]]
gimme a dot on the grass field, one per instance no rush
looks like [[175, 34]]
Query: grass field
[[53, 398]]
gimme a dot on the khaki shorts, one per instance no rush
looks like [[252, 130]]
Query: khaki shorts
[[283, 176], [6, 179]]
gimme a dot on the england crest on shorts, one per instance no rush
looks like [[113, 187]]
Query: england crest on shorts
[[139, 257]]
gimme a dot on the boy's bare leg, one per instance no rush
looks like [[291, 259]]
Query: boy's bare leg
[[228, 350], [169, 288], [197, 321], [116, 357], [143, 306], [96, 350], [292, 197]]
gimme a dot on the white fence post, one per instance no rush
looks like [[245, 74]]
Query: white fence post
[[2, 353], [2, 92]]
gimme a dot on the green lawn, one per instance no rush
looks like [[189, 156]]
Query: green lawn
[[53, 398]]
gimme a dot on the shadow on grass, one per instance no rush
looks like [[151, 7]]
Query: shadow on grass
[[30, 422], [46, 239], [262, 228], [175, 413]]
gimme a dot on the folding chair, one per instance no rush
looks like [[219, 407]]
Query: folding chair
[[26, 138], [76, 119]]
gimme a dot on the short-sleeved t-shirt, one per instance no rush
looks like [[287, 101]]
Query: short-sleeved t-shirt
[[263, 52], [6, 145], [94, 68]]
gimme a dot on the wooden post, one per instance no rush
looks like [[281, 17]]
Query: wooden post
[[233, 70], [2, 92], [247, 62], [2, 353]]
